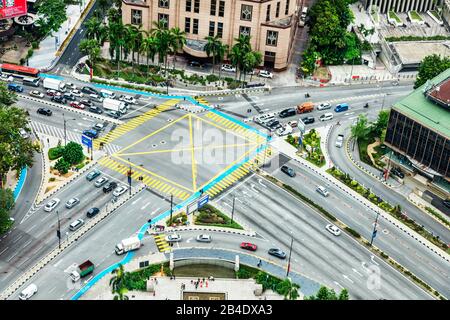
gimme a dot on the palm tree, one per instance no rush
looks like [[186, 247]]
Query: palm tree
[[360, 129], [149, 46], [92, 28], [116, 280], [120, 294], [162, 35], [251, 60], [288, 289], [178, 40], [212, 48], [239, 51], [91, 47], [235, 57]]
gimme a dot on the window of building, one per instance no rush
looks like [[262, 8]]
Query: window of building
[[219, 29], [188, 5], [196, 6], [221, 8], [136, 17], [164, 4], [286, 11], [277, 13], [244, 31], [164, 18], [195, 27], [143, 264], [246, 12], [212, 26], [213, 7], [272, 38], [268, 13], [187, 25]]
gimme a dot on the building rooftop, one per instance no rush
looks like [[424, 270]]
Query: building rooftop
[[425, 111], [440, 93], [413, 52]]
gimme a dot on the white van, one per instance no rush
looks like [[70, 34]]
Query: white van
[[28, 292], [76, 224], [107, 94], [326, 116]]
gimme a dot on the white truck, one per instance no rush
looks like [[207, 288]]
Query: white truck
[[128, 244], [115, 105], [54, 84]]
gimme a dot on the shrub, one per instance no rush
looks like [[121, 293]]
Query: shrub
[[55, 153], [62, 166], [73, 153], [353, 232]]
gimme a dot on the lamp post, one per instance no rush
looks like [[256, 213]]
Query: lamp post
[[374, 232], [232, 209], [58, 232], [65, 129], [290, 253], [171, 207]]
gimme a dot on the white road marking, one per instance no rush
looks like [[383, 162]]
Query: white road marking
[[17, 239], [154, 211], [357, 272], [145, 205], [135, 201], [346, 277], [261, 183], [372, 258], [26, 244], [29, 230], [10, 258], [4, 250], [338, 284], [189, 240]]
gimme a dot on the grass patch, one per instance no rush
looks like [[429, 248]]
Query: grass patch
[[55, 153], [311, 145], [210, 216], [416, 38], [415, 15], [362, 149], [137, 280], [438, 216], [392, 15], [178, 219]]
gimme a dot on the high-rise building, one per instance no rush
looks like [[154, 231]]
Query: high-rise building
[[272, 24]]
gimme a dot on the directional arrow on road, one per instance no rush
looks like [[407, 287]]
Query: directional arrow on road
[[357, 272], [254, 188], [338, 284], [346, 277], [261, 183], [372, 258], [189, 240]]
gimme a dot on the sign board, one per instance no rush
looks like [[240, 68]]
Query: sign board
[[86, 141], [192, 207], [12, 8], [203, 200], [301, 126]]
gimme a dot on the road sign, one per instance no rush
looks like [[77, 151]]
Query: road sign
[[374, 234], [203, 200], [86, 141], [301, 126], [192, 207]]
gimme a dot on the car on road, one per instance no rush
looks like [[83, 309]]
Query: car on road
[[52, 204], [28, 292], [127, 99], [324, 106], [44, 111], [289, 171], [322, 190], [114, 114], [89, 90], [96, 97], [339, 140], [284, 131], [87, 102], [77, 93], [273, 124], [99, 127], [265, 74], [92, 175], [204, 238], [91, 133], [397, 172], [95, 109], [59, 99], [92, 212], [109, 186], [36, 94], [52, 93], [77, 105], [326, 116], [69, 96], [15, 87], [341, 107], [196, 64], [6, 78], [101, 181], [277, 253], [228, 67], [293, 123], [70, 85], [446, 203], [288, 113], [308, 120], [119, 191], [173, 237], [333, 229], [248, 246], [72, 203], [76, 224]]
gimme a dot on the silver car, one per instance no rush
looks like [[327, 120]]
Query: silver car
[[51, 205], [76, 224], [119, 191], [72, 203], [322, 191], [204, 238], [101, 181], [173, 238]]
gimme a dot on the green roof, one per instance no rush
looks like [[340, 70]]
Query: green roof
[[417, 107]]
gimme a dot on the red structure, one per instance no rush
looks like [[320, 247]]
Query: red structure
[[12, 8], [20, 71]]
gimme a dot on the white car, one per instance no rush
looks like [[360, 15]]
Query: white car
[[51, 204], [324, 106], [173, 238], [203, 238], [36, 94], [228, 67], [339, 140], [265, 74], [99, 127], [71, 85], [72, 202], [333, 229], [293, 123], [7, 78], [326, 116], [101, 181], [128, 99], [77, 93], [119, 191], [284, 131], [28, 292], [322, 191], [24, 133]]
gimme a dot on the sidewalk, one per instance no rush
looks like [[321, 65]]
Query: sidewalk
[[46, 54]]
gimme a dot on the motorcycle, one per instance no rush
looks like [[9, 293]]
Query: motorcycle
[[366, 105], [307, 95]]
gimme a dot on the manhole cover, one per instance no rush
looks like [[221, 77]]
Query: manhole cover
[[385, 231], [220, 98], [154, 145], [162, 142], [169, 120]]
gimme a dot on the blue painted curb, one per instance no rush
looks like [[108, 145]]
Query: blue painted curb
[[20, 183]]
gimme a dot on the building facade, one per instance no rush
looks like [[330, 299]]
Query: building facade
[[402, 5], [419, 128], [272, 24]]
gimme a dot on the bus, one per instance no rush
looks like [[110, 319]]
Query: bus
[[27, 81], [18, 71]]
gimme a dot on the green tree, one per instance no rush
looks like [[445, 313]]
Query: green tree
[[52, 14], [149, 46], [117, 283], [62, 166], [382, 122], [177, 41], [343, 295], [329, 294], [73, 153], [6, 97], [163, 38], [6, 205], [92, 27], [288, 289], [430, 67], [91, 47], [16, 152], [212, 47], [251, 60], [360, 129]]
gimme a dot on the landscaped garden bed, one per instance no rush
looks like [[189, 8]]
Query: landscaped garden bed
[[310, 148], [211, 216]]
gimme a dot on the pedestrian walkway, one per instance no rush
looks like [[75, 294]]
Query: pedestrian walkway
[[47, 53], [161, 243]]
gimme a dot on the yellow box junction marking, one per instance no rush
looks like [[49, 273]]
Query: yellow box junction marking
[[161, 243], [134, 123]]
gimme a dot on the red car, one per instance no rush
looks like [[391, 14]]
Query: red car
[[248, 246], [52, 93], [76, 104]]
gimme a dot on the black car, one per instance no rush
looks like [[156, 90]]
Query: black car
[[114, 114], [446, 203], [308, 120], [196, 64], [89, 90], [277, 253], [69, 96], [95, 109], [397, 172], [46, 112], [87, 102], [289, 171], [59, 99], [92, 212], [109, 186], [288, 113], [273, 123]]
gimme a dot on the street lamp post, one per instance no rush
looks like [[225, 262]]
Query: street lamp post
[[58, 232], [65, 128], [171, 207], [232, 209], [129, 177], [374, 232], [290, 253]]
